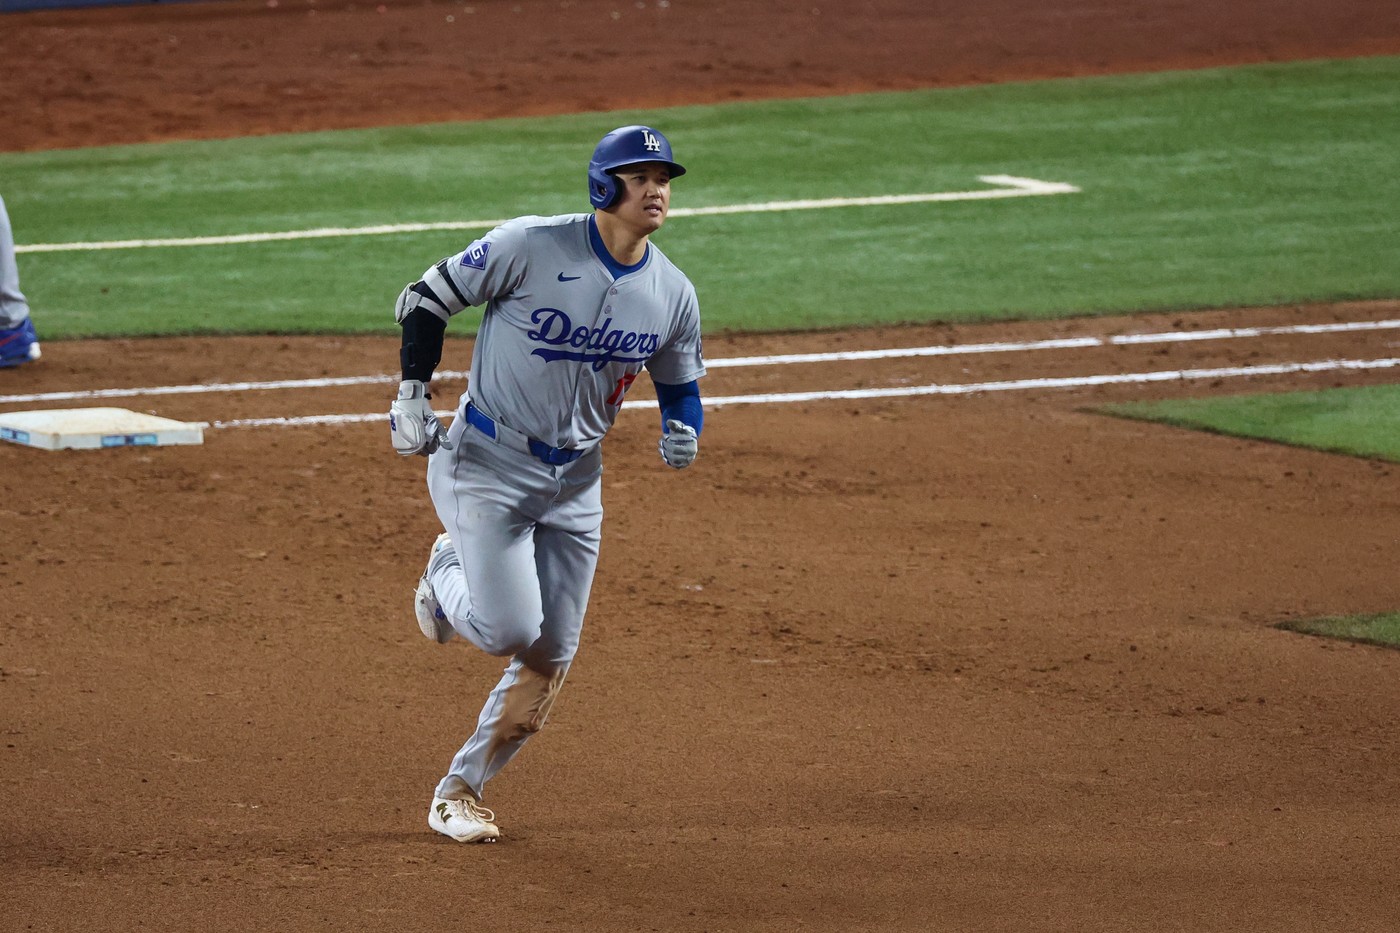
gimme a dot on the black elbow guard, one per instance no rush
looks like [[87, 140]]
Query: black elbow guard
[[422, 344]]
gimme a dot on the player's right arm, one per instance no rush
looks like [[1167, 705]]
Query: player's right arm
[[422, 312], [413, 428], [490, 266]]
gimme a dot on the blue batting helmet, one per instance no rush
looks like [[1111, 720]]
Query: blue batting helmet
[[625, 145]]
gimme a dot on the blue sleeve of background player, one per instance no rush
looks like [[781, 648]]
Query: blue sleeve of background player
[[681, 402]]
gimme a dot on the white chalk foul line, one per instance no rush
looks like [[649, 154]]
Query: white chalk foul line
[[1062, 382], [1058, 343], [214, 387], [1011, 187], [1066, 343], [1012, 385]]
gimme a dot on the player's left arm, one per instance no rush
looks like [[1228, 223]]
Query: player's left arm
[[682, 420], [674, 370]]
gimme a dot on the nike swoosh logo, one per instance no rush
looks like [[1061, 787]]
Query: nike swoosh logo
[[569, 278]]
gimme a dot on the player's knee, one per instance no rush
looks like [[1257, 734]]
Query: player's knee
[[506, 635]]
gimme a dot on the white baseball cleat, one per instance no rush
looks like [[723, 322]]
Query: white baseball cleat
[[463, 820], [432, 621]]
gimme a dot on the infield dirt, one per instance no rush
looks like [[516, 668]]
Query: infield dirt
[[985, 663]]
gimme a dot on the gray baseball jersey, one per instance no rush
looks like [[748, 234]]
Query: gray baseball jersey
[[561, 341]]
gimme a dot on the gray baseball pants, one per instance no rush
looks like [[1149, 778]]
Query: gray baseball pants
[[526, 536]]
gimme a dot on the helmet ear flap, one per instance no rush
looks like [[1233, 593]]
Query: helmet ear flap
[[602, 189]]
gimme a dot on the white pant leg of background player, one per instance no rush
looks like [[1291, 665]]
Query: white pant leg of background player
[[13, 307], [529, 536]]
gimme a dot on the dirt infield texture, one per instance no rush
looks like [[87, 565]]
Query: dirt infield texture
[[989, 662]]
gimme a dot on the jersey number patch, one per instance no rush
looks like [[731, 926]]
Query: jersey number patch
[[623, 385]]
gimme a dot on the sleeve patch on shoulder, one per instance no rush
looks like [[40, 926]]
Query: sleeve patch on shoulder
[[475, 255]]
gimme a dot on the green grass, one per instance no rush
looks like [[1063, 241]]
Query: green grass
[[1254, 185], [1362, 422], [1379, 629]]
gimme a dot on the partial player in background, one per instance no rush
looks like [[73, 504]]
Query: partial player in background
[[576, 306], [18, 342]]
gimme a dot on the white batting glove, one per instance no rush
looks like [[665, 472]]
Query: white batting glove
[[679, 444], [413, 428]]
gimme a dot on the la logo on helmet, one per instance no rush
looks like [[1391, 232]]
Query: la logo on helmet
[[649, 141]]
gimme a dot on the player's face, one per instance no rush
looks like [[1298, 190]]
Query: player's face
[[645, 196]]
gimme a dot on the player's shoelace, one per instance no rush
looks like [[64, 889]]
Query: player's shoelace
[[478, 811]]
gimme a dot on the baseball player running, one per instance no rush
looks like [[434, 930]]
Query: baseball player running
[[576, 306]]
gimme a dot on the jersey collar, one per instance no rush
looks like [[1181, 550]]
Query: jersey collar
[[616, 269]]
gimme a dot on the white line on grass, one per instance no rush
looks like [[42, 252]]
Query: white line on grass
[[1011, 187], [1013, 385], [1066, 343]]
